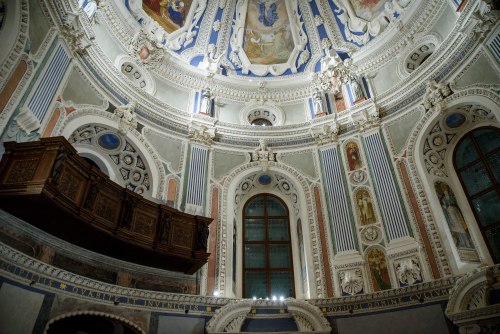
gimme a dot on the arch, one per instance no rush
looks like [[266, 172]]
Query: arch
[[93, 313], [88, 115], [99, 160], [306, 213], [427, 199], [230, 318]]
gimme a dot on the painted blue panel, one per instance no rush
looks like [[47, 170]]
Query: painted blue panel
[[195, 105], [328, 106], [109, 141], [311, 107], [265, 179], [196, 60]]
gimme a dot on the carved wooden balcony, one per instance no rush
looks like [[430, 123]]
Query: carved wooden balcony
[[47, 184]]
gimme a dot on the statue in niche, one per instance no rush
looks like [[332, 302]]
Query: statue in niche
[[318, 103], [206, 102], [365, 205], [357, 91], [378, 270], [353, 156], [454, 218]]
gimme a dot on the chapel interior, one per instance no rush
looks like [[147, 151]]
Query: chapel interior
[[242, 166]]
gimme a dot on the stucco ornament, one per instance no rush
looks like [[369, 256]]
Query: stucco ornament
[[334, 72], [351, 281], [127, 119], [408, 271], [361, 24], [435, 94]]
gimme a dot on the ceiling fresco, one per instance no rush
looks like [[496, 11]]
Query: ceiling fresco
[[264, 38]]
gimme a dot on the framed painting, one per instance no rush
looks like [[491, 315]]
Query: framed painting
[[268, 37]]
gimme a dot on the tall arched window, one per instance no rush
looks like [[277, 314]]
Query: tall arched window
[[477, 162], [267, 253]]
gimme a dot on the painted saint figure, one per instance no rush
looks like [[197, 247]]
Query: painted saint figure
[[353, 156], [378, 270], [365, 205], [454, 218]]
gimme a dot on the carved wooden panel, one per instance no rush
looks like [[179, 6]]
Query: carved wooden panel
[[144, 224], [182, 235], [22, 170], [106, 207], [70, 184]]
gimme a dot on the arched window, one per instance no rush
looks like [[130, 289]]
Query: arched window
[[267, 253], [477, 163]]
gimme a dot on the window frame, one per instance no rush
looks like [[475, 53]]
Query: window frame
[[266, 242], [482, 158]]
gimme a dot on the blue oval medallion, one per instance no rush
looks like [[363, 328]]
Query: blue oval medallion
[[265, 179], [109, 141], [455, 120]]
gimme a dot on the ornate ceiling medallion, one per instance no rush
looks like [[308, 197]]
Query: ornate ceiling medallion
[[268, 37]]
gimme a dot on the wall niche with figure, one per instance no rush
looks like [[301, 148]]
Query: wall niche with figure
[[456, 223], [379, 273], [353, 156]]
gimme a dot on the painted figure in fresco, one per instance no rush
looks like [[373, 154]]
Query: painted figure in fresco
[[367, 216], [378, 270], [353, 156], [175, 11], [456, 222], [267, 14]]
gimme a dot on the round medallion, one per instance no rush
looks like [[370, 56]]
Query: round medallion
[[358, 176], [265, 179], [438, 141], [370, 234], [433, 158], [136, 176], [455, 120], [144, 53], [128, 159], [109, 141]]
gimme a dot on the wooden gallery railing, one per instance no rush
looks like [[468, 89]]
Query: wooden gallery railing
[[47, 184]]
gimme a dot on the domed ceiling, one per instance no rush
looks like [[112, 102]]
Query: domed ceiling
[[262, 38]]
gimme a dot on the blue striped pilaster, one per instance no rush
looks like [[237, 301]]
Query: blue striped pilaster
[[197, 172], [337, 198], [393, 214], [44, 93]]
